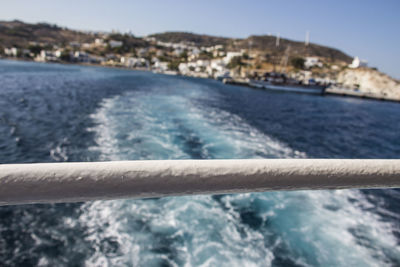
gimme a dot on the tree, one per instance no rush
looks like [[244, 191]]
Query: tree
[[184, 55], [235, 62], [174, 65], [297, 62], [35, 49], [206, 55]]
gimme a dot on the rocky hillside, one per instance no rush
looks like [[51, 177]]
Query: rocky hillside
[[268, 43], [370, 81], [19, 34], [265, 43]]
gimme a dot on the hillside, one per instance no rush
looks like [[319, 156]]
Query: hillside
[[264, 43], [268, 43], [370, 81], [19, 34], [198, 39]]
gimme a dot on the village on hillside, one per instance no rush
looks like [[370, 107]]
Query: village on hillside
[[242, 61]]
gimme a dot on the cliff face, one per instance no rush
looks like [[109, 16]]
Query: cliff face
[[370, 81]]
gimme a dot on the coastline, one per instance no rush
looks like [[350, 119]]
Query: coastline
[[333, 91]]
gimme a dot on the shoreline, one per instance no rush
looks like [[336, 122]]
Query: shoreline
[[328, 92]]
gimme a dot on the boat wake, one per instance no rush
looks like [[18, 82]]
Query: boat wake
[[282, 228]]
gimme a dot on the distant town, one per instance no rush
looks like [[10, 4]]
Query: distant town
[[257, 61]]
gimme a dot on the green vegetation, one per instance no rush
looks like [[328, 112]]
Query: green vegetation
[[184, 55], [174, 65], [35, 49], [297, 62], [235, 62], [206, 55], [65, 56]]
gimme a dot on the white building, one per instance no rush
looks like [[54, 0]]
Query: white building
[[133, 62], [218, 68], [150, 39], [58, 53], [217, 53], [184, 68], [310, 62], [161, 66], [114, 43], [11, 52], [178, 51], [46, 56], [194, 53], [218, 64], [81, 56], [357, 63], [129, 62], [227, 59], [86, 45], [99, 42]]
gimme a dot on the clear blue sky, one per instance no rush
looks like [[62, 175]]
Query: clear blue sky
[[368, 29]]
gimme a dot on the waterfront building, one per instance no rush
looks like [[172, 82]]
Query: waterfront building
[[11, 52], [46, 56], [81, 56], [161, 66]]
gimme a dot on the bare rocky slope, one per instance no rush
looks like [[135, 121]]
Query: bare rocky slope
[[370, 81], [19, 34]]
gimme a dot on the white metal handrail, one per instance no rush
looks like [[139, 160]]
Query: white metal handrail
[[68, 182]]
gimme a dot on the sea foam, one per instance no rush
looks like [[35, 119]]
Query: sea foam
[[305, 228]]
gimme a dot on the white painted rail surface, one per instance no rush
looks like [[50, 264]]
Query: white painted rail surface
[[69, 182]]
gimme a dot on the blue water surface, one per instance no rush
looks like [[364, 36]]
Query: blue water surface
[[57, 113]]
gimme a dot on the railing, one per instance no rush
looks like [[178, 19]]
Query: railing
[[68, 182]]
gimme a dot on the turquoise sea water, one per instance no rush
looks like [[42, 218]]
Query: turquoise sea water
[[55, 113]]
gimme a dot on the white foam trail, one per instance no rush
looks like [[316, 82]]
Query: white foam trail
[[196, 228], [313, 228], [247, 142]]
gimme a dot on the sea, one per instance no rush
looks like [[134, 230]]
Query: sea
[[70, 113]]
